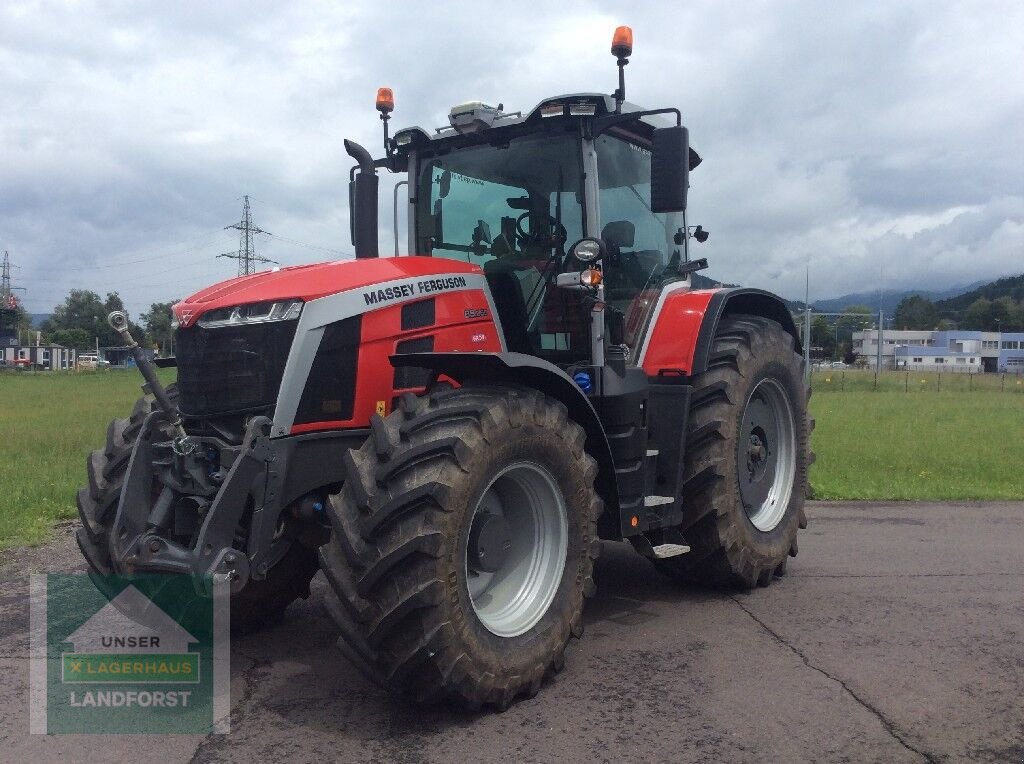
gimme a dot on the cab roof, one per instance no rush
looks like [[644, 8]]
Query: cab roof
[[496, 121]]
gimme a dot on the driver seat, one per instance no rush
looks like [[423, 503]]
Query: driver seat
[[617, 235]]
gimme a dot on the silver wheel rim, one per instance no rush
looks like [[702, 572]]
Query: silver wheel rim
[[515, 550], [766, 454]]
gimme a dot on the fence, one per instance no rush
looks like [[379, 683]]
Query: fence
[[851, 380]]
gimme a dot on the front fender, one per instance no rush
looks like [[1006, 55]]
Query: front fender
[[684, 326], [529, 371]]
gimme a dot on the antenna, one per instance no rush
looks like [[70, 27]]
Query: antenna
[[246, 254]]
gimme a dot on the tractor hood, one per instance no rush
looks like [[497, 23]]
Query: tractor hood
[[310, 282]]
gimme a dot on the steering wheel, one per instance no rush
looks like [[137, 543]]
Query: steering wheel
[[557, 236]]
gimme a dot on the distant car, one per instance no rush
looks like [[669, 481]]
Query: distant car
[[839, 365], [90, 361]]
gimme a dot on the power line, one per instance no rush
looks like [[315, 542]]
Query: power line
[[246, 255], [310, 246], [116, 265], [187, 247]]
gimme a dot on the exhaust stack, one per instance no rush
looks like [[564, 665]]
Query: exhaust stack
[[362, 202]]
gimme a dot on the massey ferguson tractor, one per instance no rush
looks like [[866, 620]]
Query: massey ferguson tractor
[[450, 434]]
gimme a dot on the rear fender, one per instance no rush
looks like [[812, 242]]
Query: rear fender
[[684, 328], [529, 371]]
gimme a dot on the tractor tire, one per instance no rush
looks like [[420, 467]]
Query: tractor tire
[[746, 459], [259, 604], [463, 545]]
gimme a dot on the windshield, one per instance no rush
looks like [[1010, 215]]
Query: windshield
[[513, 208], [487, 202], [644, 247]]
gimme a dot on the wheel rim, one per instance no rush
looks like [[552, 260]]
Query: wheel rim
[[515, 550], [766, 454]]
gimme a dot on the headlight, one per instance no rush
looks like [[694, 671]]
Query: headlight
[[256, 313]]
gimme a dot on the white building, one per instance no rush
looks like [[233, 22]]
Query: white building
[[954, 351]]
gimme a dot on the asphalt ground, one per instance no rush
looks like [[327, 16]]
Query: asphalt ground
[[898, 635]]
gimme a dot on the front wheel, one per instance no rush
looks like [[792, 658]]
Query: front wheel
[[463, 544], [746, 459]]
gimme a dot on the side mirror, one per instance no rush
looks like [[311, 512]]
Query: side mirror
[[670, 169]]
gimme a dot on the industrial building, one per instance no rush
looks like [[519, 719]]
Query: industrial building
[[47, 357], [954, 351]]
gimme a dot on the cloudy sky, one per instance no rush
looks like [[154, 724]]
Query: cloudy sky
[[867, 139]]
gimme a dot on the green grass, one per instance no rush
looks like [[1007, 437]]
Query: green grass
[[852, 380], [49, 422], [939, 446]]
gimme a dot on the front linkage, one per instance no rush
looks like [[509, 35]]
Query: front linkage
[[200, 506]]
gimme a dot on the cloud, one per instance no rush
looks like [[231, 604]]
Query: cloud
[[854, 137]]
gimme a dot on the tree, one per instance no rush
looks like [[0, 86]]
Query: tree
[[84, 310], [78, 339], [978, 316], [916, 312], [847, 325], [1006, 314], [823, 336], [157, 321], [16, 321]]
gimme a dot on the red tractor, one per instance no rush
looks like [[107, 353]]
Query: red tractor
[[450, 435]]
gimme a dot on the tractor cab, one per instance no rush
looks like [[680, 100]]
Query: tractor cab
[[575, 211]]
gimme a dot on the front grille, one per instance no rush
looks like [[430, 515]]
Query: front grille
[[231, 369]]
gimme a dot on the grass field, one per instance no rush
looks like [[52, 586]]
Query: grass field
[[948, 445], [49, 422], [857, 380], [952, 444]]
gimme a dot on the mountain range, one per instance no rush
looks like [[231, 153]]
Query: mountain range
[[887, 300]]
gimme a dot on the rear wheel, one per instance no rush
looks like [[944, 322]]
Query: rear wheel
[[463, 544], [746, 460], [260, 603]]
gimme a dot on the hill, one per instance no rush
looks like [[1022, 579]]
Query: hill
[[890, 298], [1011, 286], [700, 281]]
